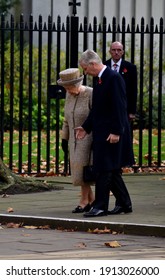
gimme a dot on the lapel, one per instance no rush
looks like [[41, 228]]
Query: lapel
[[122, 66]]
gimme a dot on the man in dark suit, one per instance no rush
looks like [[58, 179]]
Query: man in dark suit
[[108, 122], [128, 71]]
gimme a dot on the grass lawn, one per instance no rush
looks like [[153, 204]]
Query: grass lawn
[[145, 148], [34, 153], [53, 152]]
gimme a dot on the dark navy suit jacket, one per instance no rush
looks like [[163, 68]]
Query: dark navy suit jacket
[[128, 72]]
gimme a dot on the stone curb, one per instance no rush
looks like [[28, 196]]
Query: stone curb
[[79, 225]]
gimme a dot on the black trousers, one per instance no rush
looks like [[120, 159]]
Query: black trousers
[[110, 181]]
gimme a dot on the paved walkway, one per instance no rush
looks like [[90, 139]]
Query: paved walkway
[[55, 209]]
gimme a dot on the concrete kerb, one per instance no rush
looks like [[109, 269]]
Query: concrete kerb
[[79, 225], [147, 227]]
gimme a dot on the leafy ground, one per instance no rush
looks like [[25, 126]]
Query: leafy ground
[[145, 149], [28, 184], [34, 154], [34, 143]]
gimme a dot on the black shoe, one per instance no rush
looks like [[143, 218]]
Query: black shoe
[[80, 209], [94, 212], [119, 210]]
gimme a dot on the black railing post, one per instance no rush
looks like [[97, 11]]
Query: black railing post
[[21, 81], [150, 101], [160, 78], [74, 42], [2, 61], [39, 94], [11, 92], [141, 95], [30, 93], [58, 92], [74, 35], [113, 29], [49, 54]]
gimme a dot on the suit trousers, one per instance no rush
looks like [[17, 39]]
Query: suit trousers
[[120, 191], [110, 181]]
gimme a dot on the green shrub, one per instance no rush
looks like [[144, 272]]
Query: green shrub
[[24, 107]]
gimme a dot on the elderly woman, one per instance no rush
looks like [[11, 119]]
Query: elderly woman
[[77, 106]]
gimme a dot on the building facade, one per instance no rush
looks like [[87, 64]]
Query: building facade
[[98, 8]]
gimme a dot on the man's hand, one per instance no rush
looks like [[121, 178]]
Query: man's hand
[[112, 138], [80, 133], [131, 117]]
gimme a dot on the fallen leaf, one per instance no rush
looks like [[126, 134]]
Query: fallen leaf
[[155, 132], [13, 225], [69, 229], [127, 170], [135, 141], [50, 173], [146, 156], [81, 245], [98, 231], [114, 232], [112, 244], [30, 227], [40, 175], [10, 209], [66, 229], [24, 175], [44, 227], [5, 195]]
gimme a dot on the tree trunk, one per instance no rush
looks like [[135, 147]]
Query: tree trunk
[[11, 183]]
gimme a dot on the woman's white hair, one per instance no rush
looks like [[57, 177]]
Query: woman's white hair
[[77, 85]]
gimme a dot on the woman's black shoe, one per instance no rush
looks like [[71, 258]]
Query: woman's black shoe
[[80, 209]]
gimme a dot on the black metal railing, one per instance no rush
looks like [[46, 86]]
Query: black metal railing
[[32, 55]]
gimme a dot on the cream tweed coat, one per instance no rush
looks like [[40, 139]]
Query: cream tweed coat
[[75, 113]]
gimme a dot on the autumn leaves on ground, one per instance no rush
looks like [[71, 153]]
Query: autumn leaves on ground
[[12, 183], [43, 162], [111, 243]]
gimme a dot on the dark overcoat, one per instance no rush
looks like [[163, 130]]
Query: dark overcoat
[[128, 71], [109, 115]]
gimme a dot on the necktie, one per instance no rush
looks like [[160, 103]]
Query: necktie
[[115, 67]]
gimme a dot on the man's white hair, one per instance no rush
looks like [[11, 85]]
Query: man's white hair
[[90, 56]]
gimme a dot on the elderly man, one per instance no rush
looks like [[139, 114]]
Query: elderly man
[[108, 122]]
